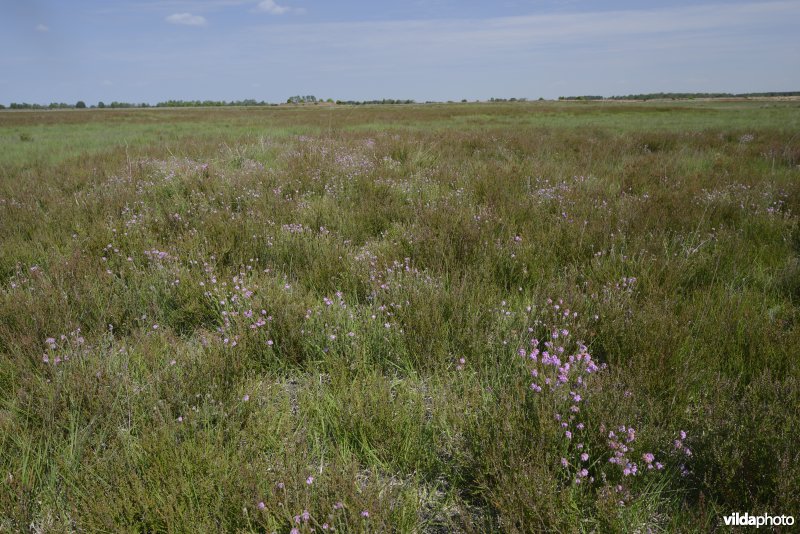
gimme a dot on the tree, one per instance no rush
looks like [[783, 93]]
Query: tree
[[101, 104], [80, 105]]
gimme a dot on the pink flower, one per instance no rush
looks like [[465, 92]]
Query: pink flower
[[310, 480], [364, 513]]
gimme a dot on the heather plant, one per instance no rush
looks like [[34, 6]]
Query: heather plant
[[506, 317]]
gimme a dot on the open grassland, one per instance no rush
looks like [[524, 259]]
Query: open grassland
[[533, 317]]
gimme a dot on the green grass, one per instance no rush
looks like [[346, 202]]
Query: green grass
[[385, 245]]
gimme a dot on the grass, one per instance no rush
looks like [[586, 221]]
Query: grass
[[265, 319]]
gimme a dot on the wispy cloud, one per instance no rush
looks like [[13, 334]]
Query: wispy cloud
[[42, 28], [186, 19], [271, 7]]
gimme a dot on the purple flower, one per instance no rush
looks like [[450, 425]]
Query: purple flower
[[261, 505], [364, 513], [584, 457], [310, 480]]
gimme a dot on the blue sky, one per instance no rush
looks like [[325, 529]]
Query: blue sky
[[154, 50]]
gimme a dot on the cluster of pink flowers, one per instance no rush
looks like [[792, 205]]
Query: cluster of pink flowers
[[59, 350], [305, 519], [294, 228], [621, 446], [562, 372], [157, 255]]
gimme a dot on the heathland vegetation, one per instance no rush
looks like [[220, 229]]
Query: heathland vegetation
[[470, 317]]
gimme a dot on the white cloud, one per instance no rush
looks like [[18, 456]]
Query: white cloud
[[269, 6], [186, 19], [42, 28]]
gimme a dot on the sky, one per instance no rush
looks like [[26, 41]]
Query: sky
[[155, 50]]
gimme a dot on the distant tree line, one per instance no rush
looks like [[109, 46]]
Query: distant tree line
[[52, 105], [523, 99], [210, 103], [680, 96], [78, 105], [307, 99], [311, 99], [383, 101]]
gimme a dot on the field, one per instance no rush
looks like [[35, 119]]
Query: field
[[540, 316]]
